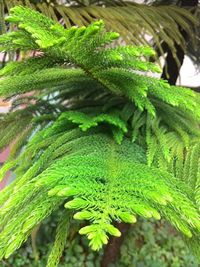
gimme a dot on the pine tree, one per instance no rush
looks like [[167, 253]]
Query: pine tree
[[97, 136]]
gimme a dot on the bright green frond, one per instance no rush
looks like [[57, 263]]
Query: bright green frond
[[60, 240], [28, 66], [131, 20], [113, 68], [93, 178], [45, 78], [86, 121]]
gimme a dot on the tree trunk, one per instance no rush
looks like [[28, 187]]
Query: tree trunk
[[189, 3], [2, 22], [112, 250], [171, 68]]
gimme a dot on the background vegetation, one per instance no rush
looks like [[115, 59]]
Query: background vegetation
[[146, 245]]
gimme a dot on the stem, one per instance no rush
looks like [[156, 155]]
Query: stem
[[2, 21], [112, 250]]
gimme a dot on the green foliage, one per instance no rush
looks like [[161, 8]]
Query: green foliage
[[191, 170], [154, 246], [60, 240], [133, 21], [85, 122], [85, 90], [146, 244]]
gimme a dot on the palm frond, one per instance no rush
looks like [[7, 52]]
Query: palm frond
[[135, 23]]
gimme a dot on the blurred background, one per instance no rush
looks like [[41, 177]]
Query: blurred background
[[172, 28]]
